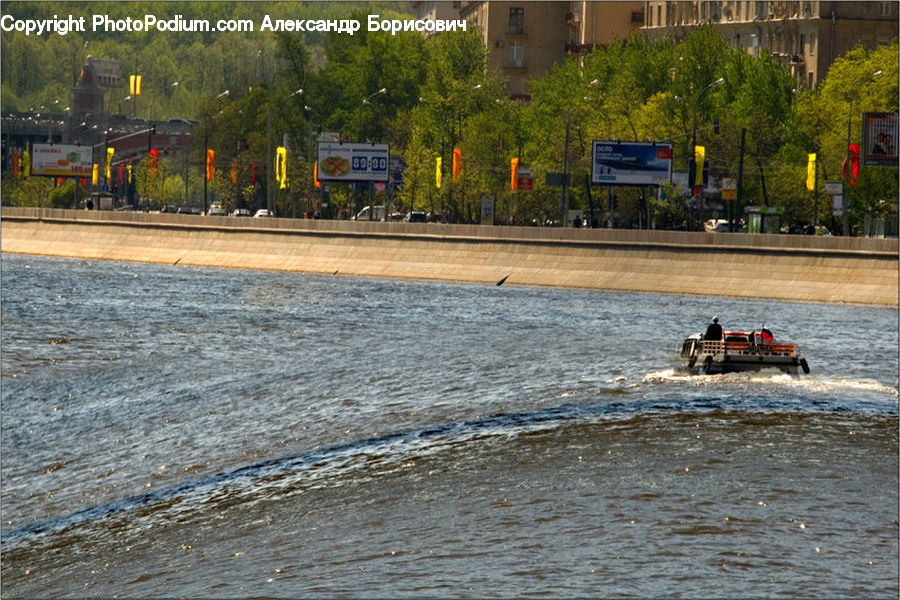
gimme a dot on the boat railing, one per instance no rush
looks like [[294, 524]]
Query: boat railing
[[746, 348]]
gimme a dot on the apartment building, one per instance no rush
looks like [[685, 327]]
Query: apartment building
[[526, 39], [601, 23], [806, 35], [436, 9]]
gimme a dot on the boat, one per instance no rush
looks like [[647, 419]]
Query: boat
[[740, 351]]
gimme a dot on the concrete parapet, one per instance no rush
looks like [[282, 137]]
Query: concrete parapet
[[804, 268]]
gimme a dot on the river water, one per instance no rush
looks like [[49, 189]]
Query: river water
[[185, 432]]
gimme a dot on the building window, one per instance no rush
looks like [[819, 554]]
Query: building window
[[516, 55], [517, 20], [659, 16], [884, 8]]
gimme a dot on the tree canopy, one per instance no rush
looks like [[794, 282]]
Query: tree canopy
[[429, 96]]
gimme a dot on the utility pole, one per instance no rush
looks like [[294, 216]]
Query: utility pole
[[563, 217], [269, 185], [846, 177], [740, 179]]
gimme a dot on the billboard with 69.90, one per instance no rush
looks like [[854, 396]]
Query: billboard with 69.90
[[353, 162]]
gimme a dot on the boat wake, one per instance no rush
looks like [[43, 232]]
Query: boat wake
[[813, 383]]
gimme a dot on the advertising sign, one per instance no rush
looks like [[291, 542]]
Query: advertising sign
[[879, 137], [61, 160], [353, 162], [525, 179], [487, 210], [630, 163], [729, 189], [834, 187]]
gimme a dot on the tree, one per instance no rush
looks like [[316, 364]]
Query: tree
[[824, 119]]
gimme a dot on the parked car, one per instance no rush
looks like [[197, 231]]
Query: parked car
[[241, 212], [415, 217], [188, 210], [713, 225], [171, 208], [263, 212], [216, 210], [366, 214]]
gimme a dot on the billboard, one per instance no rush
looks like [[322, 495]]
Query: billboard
[[630, 163], [61, 160], [879, 137], [353, 162]]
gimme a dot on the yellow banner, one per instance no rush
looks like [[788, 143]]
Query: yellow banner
[[109, 156], [281, 166], [811, 173], [95, 174], [699, 158], [134, 85], [437, 172]]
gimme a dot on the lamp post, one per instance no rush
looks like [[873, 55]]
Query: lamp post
[[692, 174], [366, 102], [162, 89], [270, 186], [845, 177], [206, 150], [693, 160]]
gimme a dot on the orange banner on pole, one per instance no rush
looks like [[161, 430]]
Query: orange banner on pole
[[210, 164]]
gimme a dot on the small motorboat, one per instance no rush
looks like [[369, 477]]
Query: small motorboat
[[739, 351]]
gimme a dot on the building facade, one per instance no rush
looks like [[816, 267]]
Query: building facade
[[601, 23], [807, 36], [525, 40]]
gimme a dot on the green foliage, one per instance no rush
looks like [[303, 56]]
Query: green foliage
[[441, 94], [27, 191]]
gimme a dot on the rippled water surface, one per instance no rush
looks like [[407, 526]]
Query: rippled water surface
[[171, 431]]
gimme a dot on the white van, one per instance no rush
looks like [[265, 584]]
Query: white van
[[366, 214]]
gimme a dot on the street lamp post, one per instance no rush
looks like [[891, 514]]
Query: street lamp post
[[162, 89], [206, 150], [270, 186], [360, 133], [692, 174], [846, 175], [366, 102]]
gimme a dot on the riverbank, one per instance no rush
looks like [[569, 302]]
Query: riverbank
[[801, 268]]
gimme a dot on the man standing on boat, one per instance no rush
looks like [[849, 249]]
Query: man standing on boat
[[714, 331]]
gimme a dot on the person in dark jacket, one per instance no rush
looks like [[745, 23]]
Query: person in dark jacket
[[714, 331]]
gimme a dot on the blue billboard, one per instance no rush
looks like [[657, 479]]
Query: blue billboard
[[630, 163]]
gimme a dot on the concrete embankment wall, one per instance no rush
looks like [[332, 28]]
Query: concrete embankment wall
[[804, 268]]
